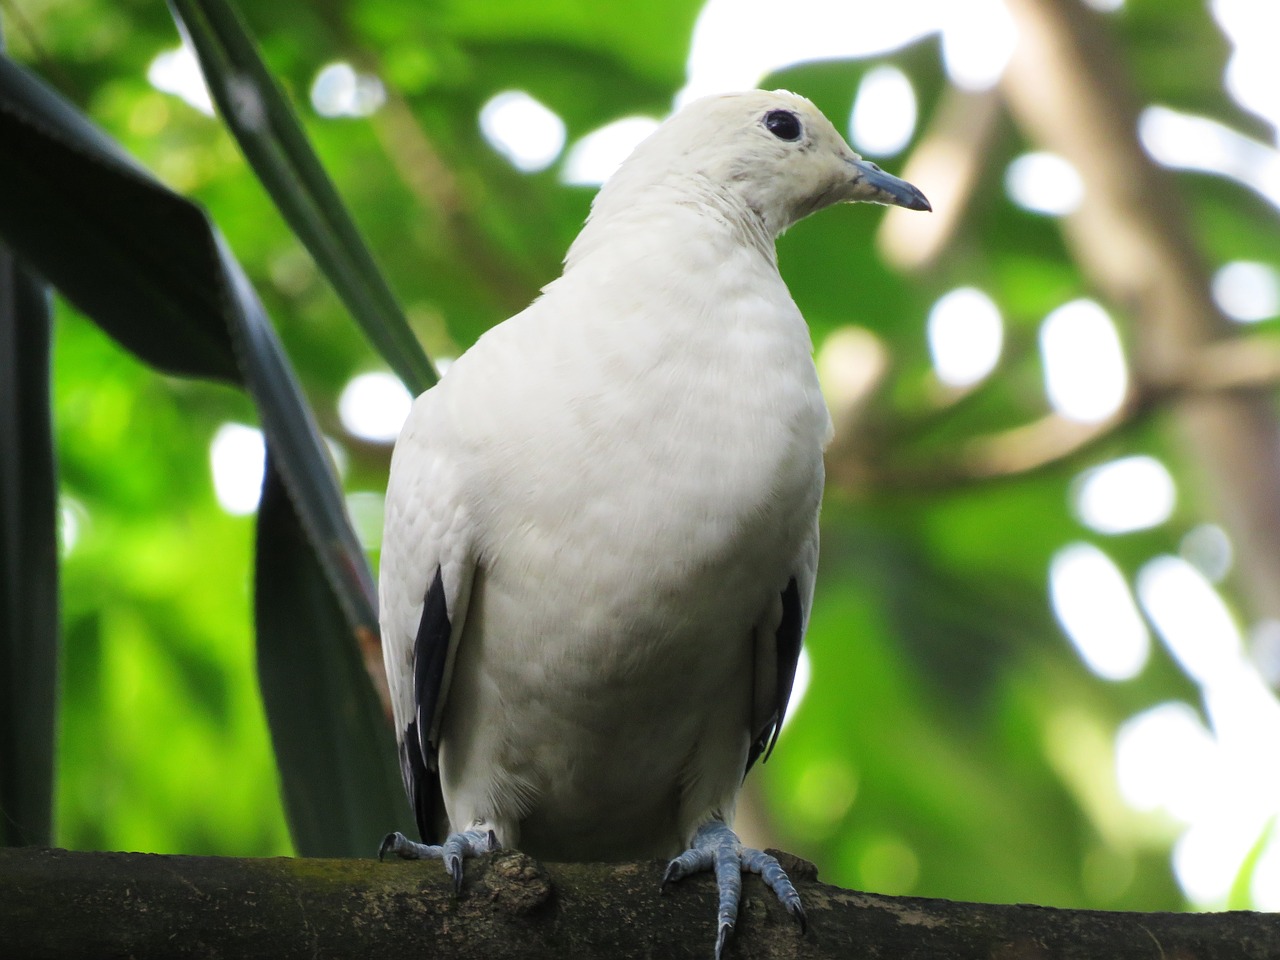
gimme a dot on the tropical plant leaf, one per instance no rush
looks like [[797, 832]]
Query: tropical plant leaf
[[267, 129], [115, 242], [28, 561], [340, 795], [152, 271]]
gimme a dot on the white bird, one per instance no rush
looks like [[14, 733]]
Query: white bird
[[601, 526]]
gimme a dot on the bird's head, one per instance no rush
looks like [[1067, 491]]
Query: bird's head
[[774, 152]]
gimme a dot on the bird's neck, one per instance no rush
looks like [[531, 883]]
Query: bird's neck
[[690, 208], [690, 281]]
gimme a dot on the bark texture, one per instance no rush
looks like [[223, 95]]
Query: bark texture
[[60, 904]]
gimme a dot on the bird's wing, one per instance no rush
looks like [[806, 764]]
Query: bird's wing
[[778, 640], [427, 568]]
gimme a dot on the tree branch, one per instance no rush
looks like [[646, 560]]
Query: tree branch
[[62, 904], [1238, 366]]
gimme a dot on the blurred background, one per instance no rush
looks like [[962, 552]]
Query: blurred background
[[1044, 650]]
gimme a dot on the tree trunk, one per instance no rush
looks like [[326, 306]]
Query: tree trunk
[[60, 904]]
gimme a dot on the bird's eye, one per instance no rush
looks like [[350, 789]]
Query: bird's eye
[[783, 124]]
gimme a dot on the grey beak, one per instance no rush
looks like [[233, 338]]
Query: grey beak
[[873, 185]]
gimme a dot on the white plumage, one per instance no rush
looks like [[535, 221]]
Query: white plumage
[[615, 494]]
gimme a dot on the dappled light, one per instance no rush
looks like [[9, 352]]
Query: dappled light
[[373, 406], [177, 72], [735, 44], [1208, 778], [888, 865], [1253, 72], [1085, 375], [851, 362], [236, 457], [1247, 291], [340, 91], [1166, 760], [824, 793], [1264, 888], [1044, 183], [1188, 142], [523, 130], [72, 518], [966, 333], [599, 153], [1191, 618], [977, 40], [1132, 493], [884, 113], [1092, 602]]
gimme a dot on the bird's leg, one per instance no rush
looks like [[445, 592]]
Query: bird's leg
[[456, 848], [716, 847]]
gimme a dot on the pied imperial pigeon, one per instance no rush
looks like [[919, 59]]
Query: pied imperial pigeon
[[602, 524]]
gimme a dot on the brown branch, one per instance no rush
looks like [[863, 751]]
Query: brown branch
[[1240, 366], [61, 904]]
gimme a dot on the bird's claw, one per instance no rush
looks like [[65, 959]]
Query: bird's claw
[[776, 879], [694, 860], [456, 848], [722, 937], [716, 847]]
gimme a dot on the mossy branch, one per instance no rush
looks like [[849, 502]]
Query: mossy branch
[[59, 904]]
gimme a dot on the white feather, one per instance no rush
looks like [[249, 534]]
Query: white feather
[[617, 484]]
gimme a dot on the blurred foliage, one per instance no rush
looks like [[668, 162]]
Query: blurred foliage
[[950, 744]]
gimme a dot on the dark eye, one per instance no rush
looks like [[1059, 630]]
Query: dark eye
[[783, 124]]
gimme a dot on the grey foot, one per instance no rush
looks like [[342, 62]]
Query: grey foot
[[716, 847], [456, 848]]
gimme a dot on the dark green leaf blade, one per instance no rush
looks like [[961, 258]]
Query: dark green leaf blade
[[113, 241], [29, 644], [338, 769], [264, 124], [154, 273], [293, 439]]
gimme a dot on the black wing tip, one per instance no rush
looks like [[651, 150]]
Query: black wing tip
[[789, 636], [430, 652]]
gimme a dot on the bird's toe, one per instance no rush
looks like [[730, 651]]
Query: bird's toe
[[406, 849], [388, 844], [456, 848], [722, 937], [717, 848]]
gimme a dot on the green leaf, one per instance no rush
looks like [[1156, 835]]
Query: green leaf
[[273, 141], [28, 561], [153, 272], [337, 765], [151, 269], [116, 243]]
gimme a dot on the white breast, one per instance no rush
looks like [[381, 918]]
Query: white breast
[[645, 481]]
